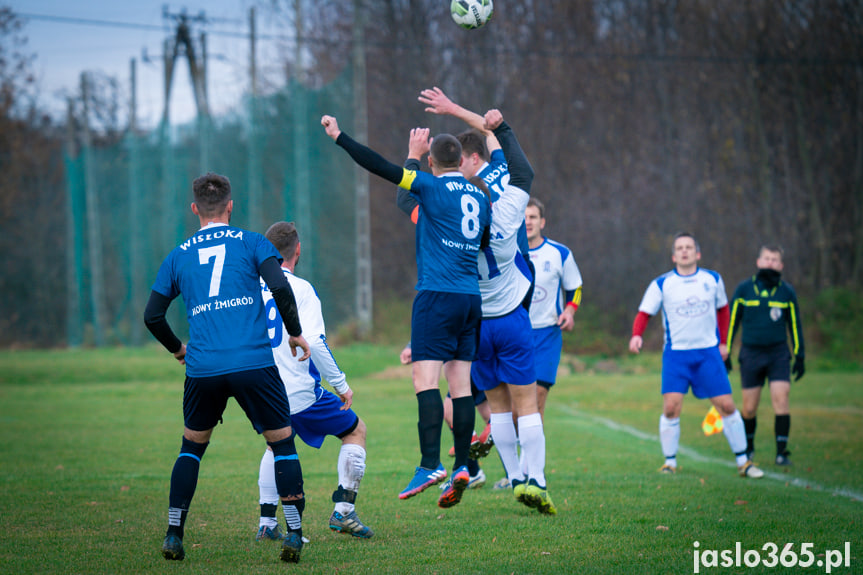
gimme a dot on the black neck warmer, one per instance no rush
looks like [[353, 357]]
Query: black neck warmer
[[768, 278]]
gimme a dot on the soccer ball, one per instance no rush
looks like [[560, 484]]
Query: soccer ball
[[471, 14]]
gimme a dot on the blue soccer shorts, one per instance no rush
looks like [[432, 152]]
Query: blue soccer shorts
[[547, 345], [505, 351], [324, 417], [445, 326], [701, 369], [260, 392]]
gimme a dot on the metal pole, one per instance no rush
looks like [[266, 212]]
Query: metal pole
[[363, 228], [302, 192], [255, 166], [136, 260], [94, 225], [74, 289]]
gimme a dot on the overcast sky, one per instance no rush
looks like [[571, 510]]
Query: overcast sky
[[64, 48]]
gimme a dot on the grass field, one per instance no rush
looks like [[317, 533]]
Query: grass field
[[88, 440]]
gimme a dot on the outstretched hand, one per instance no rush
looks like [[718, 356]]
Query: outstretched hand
[[437, 102], [331, 125], [419, 143]]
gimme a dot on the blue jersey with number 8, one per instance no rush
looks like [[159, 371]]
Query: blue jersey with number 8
[[216, 271], [448, 235]]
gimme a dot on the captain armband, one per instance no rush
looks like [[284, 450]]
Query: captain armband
[[575, 299], [408, 177]]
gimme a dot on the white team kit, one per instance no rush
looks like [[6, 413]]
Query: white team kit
[[502, 285], [315, 411], [556, 272], [689, 305], [301, 378], [691, 356]]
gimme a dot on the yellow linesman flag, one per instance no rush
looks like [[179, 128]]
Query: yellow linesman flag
[[712, 422]]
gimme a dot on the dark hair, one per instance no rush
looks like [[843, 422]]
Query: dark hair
[[284, 236], [775, 248], [539, 205], [480, 183], [685, 235], [473, 142], [212, 193], [446, 151]]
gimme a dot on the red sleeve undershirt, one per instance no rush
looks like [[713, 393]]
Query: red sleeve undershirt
[[640, 323], [723, 316]]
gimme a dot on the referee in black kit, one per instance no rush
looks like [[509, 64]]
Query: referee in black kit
[[766, 309]]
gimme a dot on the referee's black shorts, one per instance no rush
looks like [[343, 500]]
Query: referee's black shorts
[[260, 392], [768, 363]]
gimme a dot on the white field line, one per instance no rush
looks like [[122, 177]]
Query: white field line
[[691, 453]]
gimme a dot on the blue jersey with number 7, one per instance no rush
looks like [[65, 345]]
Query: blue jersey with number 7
[[216, 272]]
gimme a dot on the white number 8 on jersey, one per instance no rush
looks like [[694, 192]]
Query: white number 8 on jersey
[[470, 219]]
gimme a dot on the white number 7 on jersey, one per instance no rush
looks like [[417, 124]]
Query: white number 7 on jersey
[[204, 256]]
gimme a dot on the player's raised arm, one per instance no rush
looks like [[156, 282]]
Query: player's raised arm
[[363, 155], [520, 170], [331, 126], [419, 143], [439, 103]]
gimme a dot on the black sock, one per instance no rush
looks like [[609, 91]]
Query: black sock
[[429, 425], [463, 421], [472, 467], [268, 510], [749, 425], [286, 463], [782, 428], [184, 481]]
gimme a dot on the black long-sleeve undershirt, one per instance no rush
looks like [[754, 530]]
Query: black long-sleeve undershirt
[[272, 274], [520, 171], [370, 160], [154, 319]]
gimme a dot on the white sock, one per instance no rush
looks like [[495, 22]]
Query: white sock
[[267, 486], [735, 433], [522, 460], [503, 431], [352, 467], [532, 439], [669, 437]]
